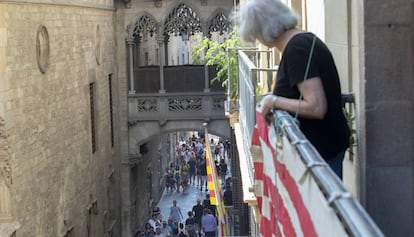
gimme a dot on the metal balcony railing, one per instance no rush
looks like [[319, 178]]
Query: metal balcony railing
[[251, 72], [353, 216]]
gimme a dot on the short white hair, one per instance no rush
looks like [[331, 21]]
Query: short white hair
[[265, 20]]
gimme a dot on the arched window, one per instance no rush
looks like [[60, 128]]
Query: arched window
[[145, 29]]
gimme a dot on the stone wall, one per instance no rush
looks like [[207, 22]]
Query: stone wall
[[388, 134], [59, 185]]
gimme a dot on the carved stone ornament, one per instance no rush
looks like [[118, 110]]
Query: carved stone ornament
[[184, 104], [6, 171], [134, 159], [98, 44], [182, 19], [5, 198], [127, 3], [158, 3], [42, 48], [133, 122]]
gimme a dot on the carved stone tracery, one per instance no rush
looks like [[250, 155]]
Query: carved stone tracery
[[5, 177], [147, 105], [219, 23], [182, 19], [145, 26], [185, 104], [218, 103]]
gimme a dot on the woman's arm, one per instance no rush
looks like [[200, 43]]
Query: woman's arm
[[312, 106]]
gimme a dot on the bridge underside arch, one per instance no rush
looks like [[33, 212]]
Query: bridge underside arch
[[144, 131]]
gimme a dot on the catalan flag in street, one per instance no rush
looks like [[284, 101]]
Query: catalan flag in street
[[215, 190]]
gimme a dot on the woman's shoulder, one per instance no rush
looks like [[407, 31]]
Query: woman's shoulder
[[300, 41]]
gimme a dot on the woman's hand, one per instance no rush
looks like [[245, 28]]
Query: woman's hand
[[267, 104]]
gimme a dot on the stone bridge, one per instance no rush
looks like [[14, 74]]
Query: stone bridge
[[186, 108]]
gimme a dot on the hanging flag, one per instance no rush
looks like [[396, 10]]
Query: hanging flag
[[278, 196], [214, 188]]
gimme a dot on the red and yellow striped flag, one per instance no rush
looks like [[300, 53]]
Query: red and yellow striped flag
[[213, 184]]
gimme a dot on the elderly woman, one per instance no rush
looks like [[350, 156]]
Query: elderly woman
[[317, 98]]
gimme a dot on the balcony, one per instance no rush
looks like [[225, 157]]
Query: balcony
[[322, 196], [177, 79], [189, 93]]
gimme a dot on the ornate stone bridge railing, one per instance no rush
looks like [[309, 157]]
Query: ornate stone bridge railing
[[176, 106]]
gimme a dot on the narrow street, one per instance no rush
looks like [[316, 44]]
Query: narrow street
[[185, 201]]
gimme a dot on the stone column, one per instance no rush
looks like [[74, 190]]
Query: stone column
[[160, 40], [206, 79], [130, 43], [137, 52], [166, 38], [125, 194], [5, 203], [386, 129]]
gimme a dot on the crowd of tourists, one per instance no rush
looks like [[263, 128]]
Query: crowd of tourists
[[200, 221], [189, 168]]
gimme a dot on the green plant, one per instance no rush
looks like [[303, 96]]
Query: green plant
[[223, 56], [351, 121]]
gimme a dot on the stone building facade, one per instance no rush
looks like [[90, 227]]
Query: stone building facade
[[58, 107]]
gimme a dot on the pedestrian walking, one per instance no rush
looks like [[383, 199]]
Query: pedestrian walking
[[209, 223], [198, 213], [223, 171], [177, 177], [155, 211], [175, 213], [193, 167], [207, 204], [203, 174], [190, 225]]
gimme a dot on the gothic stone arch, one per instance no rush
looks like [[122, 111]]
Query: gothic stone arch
[[182, 19], [218, 22]]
